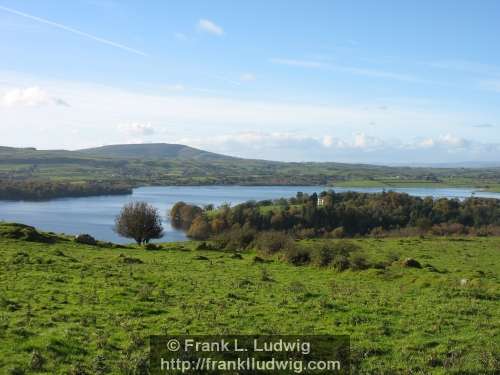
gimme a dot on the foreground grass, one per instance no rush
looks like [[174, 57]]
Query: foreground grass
[[73, 309]]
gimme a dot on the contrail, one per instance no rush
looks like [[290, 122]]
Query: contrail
[[74, 31]]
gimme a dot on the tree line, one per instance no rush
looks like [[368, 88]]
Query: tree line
[[272, 226], [338, 215], [40, 190]]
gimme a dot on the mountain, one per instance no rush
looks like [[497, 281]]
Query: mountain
[[153, 151]]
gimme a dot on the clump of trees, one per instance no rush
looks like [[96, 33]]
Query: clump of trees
[[182, 215], [341, 215], [139, 221], [40, 190]]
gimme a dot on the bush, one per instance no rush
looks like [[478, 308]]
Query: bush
[[358, 263], [199, 229], [152, 246], [345, 247], [271, 242], [339, 251], [340, 263], [86, 239], [448, 229], [305, 233], [338, 233], [237, 238], [324, 256], [378, 232], [297, 255]]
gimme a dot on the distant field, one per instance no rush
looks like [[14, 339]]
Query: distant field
[[83, 307], [409, 183], [164, 164]]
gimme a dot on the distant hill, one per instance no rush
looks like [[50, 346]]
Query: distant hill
[[153, 151], [175, 164], [461, 164]]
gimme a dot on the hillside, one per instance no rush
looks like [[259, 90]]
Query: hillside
[[153, 151], [172, 164], [67, 308]]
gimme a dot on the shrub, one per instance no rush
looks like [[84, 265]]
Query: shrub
[[448, 229], [411, 263], [345, 247], [86, 239], [199, 229], [324, 256], [340, 263], [306, 233], [129, 260], [271, 242], [152, 246], [338, 233], [358, 262], [483, 231], [297, 255], [378, 232], [238, 238], [334, 251]]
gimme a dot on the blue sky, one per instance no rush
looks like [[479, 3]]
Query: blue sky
[[385, 81]]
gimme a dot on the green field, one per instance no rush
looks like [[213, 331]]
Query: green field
[[67, 308], [169, 164]]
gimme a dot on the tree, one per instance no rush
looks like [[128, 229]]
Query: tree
[[140, 221], [182, 215], [200, 229]]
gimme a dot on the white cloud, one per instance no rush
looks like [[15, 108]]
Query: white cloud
[[453, 141], [359, 147], [210, 27], [30, 97], [327, 141], [426, 143], [137, 129], [281, 130], [248, 77], [363, 141]]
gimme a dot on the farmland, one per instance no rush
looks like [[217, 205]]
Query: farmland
[[72, 308]]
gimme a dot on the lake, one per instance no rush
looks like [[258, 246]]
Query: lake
[[95, 215]]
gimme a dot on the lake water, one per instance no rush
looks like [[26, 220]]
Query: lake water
[[95, 215]]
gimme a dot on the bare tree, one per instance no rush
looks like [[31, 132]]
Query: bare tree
[[140, 221]]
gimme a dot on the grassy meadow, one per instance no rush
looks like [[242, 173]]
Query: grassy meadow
[[67, 308]]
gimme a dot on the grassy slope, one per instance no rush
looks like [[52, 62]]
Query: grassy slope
[[82, 304], [162, 164]]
